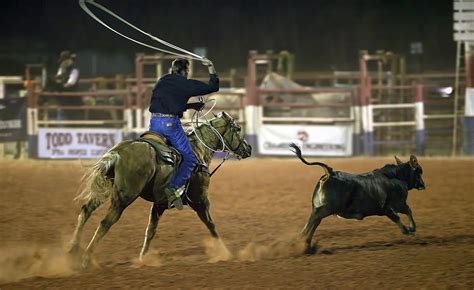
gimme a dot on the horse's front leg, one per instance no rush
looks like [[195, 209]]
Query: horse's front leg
[[216, 249], [155, 215], [202, 210]]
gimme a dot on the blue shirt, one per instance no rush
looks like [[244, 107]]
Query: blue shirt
[[172, 92]]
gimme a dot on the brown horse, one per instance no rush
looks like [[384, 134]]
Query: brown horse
[[131, 169]]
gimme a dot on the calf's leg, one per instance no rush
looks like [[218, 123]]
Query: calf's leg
[[396, 219], [407, 211], [317, 214]]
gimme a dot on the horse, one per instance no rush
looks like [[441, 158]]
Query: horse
[[131, 169]]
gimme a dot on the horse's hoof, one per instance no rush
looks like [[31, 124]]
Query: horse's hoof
[[72, 249], [310, 250], [85, 264]]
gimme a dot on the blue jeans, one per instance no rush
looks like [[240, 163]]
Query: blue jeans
[[171, 128]]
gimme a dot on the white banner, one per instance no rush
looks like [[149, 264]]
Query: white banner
[[314, 140], [469, 107], [74, 143]]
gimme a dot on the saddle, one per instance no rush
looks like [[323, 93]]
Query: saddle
[[164, 150]]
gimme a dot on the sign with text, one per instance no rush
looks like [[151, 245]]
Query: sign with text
[[12, 119], [314, 140], [72, 143]]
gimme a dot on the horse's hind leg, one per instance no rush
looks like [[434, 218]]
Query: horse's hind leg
[[317, 214], [155, 214], [113, 215], [86, 212]]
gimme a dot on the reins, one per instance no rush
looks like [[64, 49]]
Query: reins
[[220, 164], [195, 124]]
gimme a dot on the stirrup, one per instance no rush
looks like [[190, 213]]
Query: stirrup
[[174, 197]]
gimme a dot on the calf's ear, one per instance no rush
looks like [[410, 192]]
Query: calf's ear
[[413, 161], [398, 160]]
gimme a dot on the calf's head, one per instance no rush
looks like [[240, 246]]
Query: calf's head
[[411, 172]]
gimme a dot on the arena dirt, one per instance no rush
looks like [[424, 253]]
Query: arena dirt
[[259, 206]]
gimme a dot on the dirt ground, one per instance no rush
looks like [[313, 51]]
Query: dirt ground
[[259, 206]]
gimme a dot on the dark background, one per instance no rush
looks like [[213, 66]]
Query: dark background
[[324, 35]]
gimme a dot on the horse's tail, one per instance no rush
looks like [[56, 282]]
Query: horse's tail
[[295, 149], [97, 182]]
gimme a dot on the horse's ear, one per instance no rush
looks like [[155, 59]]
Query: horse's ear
[[413, 161], [398, 160], [226, 115]]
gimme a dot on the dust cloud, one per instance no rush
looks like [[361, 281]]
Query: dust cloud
[[151, 259], [25, 261], [216, 250], [287, 246]]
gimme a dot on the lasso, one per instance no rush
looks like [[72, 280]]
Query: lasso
[[187, 53]]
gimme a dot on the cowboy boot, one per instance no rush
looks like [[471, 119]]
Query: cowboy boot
[[174, 198]]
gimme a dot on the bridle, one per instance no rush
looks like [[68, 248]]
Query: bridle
[[226, 147]]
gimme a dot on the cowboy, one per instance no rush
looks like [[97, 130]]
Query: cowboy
[[67, 76], [168, 102], [65, 80]]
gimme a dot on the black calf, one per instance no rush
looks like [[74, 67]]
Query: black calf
[[380, 192]]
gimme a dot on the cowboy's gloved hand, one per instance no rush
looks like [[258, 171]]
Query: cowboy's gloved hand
[[210, 66], [195, 106], [206, 62]]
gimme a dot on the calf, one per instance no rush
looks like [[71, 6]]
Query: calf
[[381, 192]]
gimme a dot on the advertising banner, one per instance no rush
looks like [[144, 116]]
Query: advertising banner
[[72, 143], [469, 107], [314, 140], [13, 119]]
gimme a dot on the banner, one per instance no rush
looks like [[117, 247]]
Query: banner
[[314, 140], [13, 119], [469, 107], [73, 143]]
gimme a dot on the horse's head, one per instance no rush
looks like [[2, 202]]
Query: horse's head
[[231, 134]]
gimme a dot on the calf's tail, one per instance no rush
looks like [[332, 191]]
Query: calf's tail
[[295, 149]]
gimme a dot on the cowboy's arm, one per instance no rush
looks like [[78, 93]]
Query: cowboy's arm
[[73, 78], [199, 88]]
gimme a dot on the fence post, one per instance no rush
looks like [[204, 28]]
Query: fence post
[[367, 116], [253, 109], [32, 121], [356, 115], [420, 121], [139, 95]]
